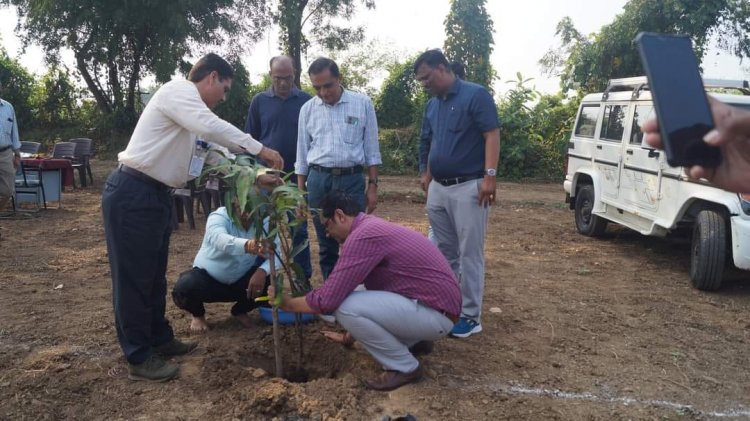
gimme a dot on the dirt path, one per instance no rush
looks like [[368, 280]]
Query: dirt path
[[574, 328]]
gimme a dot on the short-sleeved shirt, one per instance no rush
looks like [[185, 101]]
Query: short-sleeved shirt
[[337, 136], [456, 124], [8, 126], [273, 121]]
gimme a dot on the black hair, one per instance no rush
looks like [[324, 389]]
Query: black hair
[[432, 58], [210, 63], [339, 199], [321, 64], [458, 69]]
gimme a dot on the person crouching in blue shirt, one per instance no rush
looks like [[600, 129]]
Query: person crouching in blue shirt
[[225, 269]]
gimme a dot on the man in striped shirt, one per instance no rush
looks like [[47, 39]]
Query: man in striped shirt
[[411, 299], [336, 139]]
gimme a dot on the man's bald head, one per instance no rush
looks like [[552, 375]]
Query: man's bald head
[[282, 75]]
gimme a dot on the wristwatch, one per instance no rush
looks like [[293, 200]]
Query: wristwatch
[[373, 181], [491, 172]]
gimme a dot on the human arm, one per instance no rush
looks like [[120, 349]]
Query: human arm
[[15, 139], [491, 157], [425, 142], [185, 107], [303, 143], [372, 188], [731, 135]]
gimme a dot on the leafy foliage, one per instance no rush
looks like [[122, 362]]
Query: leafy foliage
[[397, 103], [587, 63], [292, 15], [117, 42], [399, 149], [533, 137], [469, 41]]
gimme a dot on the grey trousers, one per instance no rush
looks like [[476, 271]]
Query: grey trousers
[[459, 225], [387, 324]]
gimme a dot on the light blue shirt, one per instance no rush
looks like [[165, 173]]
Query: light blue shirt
[[337, 136], [222, 253], [8, 126]]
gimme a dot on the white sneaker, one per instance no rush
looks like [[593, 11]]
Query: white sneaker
[[328, 318]]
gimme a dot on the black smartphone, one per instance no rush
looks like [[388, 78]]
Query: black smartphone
[[679, 99]]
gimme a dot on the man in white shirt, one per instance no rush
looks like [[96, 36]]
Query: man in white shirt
[[163, 153]]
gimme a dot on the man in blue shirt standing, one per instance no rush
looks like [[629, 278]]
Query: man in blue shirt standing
[[459, 153], [338, 138], [10, 151], [272, 119]]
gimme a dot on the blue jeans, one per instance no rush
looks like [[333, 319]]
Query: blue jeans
[[318, 184]]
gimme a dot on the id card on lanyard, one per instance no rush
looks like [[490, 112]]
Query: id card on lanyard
[[199, 158]]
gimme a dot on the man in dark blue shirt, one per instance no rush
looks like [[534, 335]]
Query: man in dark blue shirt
[[272, 119], [459, 153]]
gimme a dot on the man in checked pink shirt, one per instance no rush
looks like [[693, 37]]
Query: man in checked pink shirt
[[411, 299]]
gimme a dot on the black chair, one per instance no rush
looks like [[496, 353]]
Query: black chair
[[30, 148], [29, 182], [81, 159], [64, 150]]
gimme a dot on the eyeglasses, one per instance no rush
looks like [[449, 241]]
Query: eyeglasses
[[325, 222]]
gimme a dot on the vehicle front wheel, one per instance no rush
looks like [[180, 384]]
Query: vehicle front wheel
[[586, 222], [709, 248]]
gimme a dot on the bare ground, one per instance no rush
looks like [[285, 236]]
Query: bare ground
[[574, 328]]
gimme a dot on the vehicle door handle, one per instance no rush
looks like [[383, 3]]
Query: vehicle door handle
[[653, 153], [598, 146], [629, 152]]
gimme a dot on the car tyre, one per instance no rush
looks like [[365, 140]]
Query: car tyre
[[586, 222], [709, 250]]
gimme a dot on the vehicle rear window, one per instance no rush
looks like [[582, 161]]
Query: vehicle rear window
[[745, 107], [642, 114], [613, 123], [586, 124]]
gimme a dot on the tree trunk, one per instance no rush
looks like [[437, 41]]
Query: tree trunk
[[101, 99]]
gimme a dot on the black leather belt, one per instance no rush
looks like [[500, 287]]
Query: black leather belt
[[143, 177], [338, 171], [5, 148], [458, 180]]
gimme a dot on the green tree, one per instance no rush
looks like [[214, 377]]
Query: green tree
[[589, 62], [234, 108], [17, 87], [293, 15], [116, 42], [468, 29], [396, 103], [55, 100]]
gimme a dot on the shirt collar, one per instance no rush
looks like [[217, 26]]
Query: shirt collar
[[358, 220], [270, 93], [345, 97], [455, 88]]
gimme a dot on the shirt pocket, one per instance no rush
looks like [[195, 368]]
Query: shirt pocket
[[6, 127], [353, 132]]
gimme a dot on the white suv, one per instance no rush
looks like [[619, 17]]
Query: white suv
[[613, 176]]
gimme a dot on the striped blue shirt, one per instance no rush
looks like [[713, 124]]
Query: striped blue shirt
[[222, 253], [8, 126], [337, 136]]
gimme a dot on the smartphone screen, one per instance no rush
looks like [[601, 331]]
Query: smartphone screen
[[679, 98]]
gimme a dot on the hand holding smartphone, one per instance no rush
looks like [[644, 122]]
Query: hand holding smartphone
[[679, 98]]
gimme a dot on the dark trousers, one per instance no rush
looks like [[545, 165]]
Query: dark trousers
[[196, 286], [318, 184], [137, 226]]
